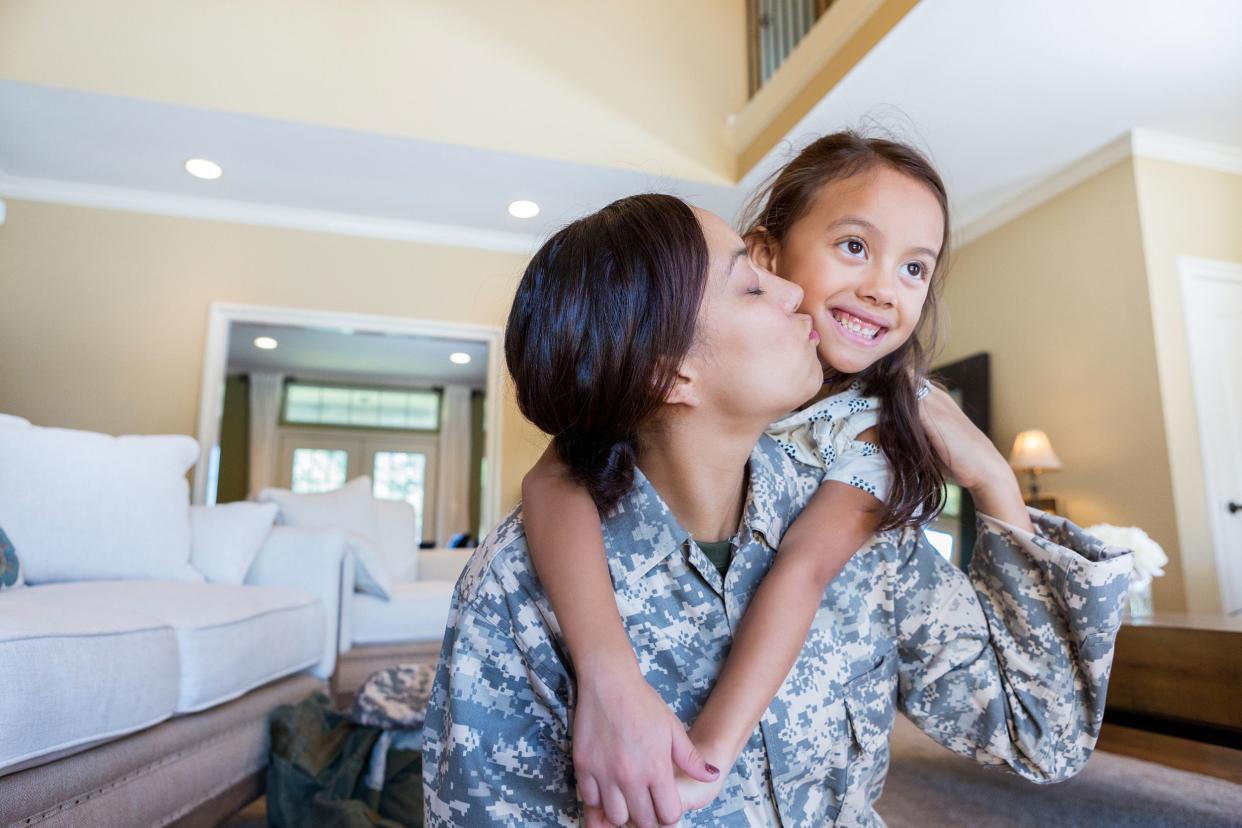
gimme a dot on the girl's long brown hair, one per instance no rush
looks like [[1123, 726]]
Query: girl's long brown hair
[[916, 494]]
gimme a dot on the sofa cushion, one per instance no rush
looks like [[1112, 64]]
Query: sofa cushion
[[229, 638], [396, 537], [74, 675], [10, 565], [417, 611], [351, 508], [225, 539], [85, 506]]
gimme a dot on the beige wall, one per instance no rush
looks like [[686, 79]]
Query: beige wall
[[103, 314], [643, 84], [1059, 298], [1185, 211]]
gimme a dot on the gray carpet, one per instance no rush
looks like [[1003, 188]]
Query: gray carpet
[[929, 787]]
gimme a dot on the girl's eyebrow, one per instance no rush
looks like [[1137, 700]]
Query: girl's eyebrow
[[855, 220]]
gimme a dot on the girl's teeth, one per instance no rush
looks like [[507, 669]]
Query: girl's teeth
[[856, 325]]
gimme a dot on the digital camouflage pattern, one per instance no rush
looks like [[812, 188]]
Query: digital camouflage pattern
[[395, 697], [825, 435], [1009, 666]]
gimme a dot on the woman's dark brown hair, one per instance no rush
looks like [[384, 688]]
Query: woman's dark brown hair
[[916, 494], [603, 316]]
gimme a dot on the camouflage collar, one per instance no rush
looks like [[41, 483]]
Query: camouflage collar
[[641, 531]]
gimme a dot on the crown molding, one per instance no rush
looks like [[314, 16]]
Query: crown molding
[[263, 215], [982, 217], [1148, 143]]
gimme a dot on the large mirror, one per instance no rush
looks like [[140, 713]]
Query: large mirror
[[309, 401]]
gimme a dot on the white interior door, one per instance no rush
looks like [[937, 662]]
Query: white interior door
[[318, 460], [1213, 294], [402, 466]]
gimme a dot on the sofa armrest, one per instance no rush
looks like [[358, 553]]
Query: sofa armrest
[[442, 564], [313, 560]]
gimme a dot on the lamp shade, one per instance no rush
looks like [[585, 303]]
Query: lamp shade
[[1032, 450]]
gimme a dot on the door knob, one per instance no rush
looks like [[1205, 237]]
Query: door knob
[[1234, 507]]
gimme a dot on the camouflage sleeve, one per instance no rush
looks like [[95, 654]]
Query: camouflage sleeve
[[495, 743], [1011, 666]]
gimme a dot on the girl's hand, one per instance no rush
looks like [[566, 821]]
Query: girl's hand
[[972, 460], [695, 794], [626, 742]]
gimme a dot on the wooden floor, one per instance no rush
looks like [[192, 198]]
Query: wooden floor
[[1197, 757], [253, 815]]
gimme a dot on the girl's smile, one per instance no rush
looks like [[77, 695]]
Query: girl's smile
[[863, 254]]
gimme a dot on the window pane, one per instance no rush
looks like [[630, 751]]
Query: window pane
[[424, 411], [392, 408], [302, 404], [335, 406], [362, 407], [401, 475], [318, 470]]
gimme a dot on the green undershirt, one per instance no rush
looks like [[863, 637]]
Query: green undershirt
[[718, 552]]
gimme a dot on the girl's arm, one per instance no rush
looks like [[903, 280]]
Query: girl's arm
[[626, 739], [838, 520], [1010, 662]]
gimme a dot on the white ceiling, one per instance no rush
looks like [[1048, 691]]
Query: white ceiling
[[356, 356], [1002, 94]]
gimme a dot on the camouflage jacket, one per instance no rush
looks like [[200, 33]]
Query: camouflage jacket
[[1008, 666]]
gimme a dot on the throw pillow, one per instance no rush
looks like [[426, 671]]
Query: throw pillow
[[351, 508], [83, 506], [10, 566], [371, 574], [225, 539]]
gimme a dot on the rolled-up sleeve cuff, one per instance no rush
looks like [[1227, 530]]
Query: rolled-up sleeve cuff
[[1089, 577]]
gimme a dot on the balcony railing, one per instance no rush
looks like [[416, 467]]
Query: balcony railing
[[775, 27]]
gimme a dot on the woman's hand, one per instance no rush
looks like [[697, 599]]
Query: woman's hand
[[627, 743], [972, 460]]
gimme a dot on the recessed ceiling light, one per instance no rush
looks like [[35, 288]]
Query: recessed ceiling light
[[265, 342], [523, 209], [202, 168], [459, 358]]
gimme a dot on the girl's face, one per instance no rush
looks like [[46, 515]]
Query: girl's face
[[863, 254], [754, 353]]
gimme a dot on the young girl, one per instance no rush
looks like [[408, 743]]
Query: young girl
[[861, 226]]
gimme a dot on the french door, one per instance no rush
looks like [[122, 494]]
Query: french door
[[401, 466]]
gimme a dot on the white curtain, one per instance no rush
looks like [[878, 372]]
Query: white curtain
[[265, 391], [453, 485]]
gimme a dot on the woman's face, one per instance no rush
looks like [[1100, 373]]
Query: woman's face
[[754, 354], [863, 255]]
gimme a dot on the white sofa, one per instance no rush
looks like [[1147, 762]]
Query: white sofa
[[128, 701], [378, 633]]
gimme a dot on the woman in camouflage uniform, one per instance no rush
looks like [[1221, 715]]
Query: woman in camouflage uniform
[[646, 341]]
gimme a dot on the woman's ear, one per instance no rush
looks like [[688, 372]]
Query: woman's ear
[[763, 249], [684, 390]]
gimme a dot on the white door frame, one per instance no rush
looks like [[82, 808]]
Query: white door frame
[[1192, 272], [222, 315]]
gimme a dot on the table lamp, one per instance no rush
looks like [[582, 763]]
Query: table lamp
[[1032, 452]]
